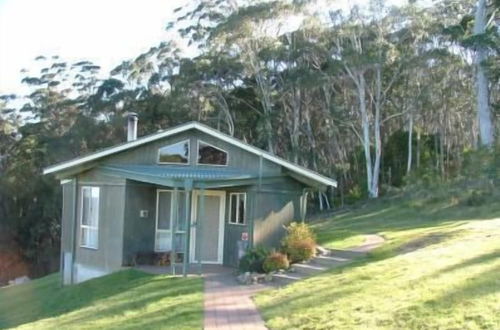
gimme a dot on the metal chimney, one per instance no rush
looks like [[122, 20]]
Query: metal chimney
[[132, 119]]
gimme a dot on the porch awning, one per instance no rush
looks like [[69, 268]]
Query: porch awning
[[180, 176]]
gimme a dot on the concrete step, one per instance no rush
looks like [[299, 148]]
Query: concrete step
[[309, 268], [330, 261], [346, 254], [287, 278]]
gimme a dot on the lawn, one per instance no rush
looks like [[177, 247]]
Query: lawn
[[439, 269], [127, 299]]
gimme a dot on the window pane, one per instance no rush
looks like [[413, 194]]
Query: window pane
[[179, 242], [211, 155], [234, 204], [181, 221], [164, 205], [241, 209], [92, 242], [162, 241], [175, 153], [94, 207], [84, 239], [86, 206]]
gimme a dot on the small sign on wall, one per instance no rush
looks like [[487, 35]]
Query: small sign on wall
[[143, 213], [244, 236]]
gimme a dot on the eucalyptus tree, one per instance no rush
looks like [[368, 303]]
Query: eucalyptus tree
[[486, 128]]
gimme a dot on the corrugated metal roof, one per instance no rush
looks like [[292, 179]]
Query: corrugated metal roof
[[181, 173]]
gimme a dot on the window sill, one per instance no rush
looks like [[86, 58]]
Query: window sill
[[236, 224], [89, 247]]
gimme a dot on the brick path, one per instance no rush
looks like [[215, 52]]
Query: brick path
[[228, 305]]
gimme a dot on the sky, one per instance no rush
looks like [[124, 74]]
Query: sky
[[103, 31]]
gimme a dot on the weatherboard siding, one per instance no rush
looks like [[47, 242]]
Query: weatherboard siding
[[107, 257], [147, 154], [123, 233], [233, 232], [138, 233], [275, 205]]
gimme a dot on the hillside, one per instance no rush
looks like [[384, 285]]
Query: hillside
[[439, 268], [125, 300]]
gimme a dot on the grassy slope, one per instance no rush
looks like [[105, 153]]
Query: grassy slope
[[440, 268], [125, 300]]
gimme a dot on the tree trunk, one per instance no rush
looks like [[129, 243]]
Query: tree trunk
[[378, 139], [361, 86], [482, 92], [410, 137]]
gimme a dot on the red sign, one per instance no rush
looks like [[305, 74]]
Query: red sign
[[244, 236]]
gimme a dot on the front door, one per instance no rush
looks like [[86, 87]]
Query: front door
[[207, 236]]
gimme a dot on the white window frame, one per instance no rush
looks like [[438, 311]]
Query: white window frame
[[171, 144], [238, 198], [198, 154], [88, 227], [167, 231]]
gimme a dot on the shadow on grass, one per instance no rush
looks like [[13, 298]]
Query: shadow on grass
[[96, 299], [478, 286]]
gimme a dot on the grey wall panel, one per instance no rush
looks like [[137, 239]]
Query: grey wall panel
[[139, 233], [68, 216], [237, 158], [108, 256], [275, 205], [233, 232]]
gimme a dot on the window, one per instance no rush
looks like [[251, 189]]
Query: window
[[237, 208], [89, 217], [210, 155], [164, 220], [177, 153]]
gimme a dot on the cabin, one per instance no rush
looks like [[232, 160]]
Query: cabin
[[189, 193]]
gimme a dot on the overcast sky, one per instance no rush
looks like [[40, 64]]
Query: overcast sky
[[103, 31]]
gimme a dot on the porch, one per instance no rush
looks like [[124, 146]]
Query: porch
[[185, 219]]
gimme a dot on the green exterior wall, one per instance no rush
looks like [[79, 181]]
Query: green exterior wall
[[139, 233], [275, 205], [89, 263], [123, 233], [67, 230], [237, 158]]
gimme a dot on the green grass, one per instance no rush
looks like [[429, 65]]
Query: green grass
[[439, 269], [127, 299]]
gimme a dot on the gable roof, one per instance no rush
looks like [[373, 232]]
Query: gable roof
[[202, 128]]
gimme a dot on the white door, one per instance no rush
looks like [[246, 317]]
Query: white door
[[207, 237]]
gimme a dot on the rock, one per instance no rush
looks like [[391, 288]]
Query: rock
[[268, 277], [243, 278], [19, 280]]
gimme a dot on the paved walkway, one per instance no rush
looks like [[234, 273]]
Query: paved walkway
[[229, 305], [371, 242]]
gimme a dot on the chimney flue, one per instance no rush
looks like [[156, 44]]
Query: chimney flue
[[132, 126]]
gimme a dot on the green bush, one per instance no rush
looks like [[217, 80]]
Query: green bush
[[253, 260], [476, 198], [276, 261], [300, 242]]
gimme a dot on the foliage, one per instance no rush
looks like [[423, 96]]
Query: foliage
[[299, 243], [335, 91], [124, 299], [253, 260], [275, 261]]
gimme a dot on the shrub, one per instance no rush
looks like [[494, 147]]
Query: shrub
[[253, 260], [476, 198], [299, 243], [276, 261]]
